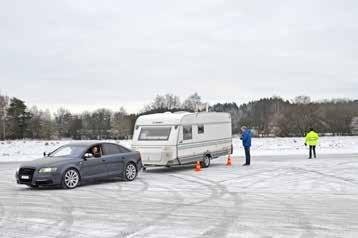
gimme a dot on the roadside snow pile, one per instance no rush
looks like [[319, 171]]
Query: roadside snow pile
[[295, 145], [23, 150]]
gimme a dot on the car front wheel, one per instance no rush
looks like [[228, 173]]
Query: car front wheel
[[130, 172], [71, 179]]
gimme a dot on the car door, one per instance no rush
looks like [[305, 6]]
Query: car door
[[94, 167], [114, 158]]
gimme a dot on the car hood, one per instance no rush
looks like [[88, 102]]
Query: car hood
[[47, 161]]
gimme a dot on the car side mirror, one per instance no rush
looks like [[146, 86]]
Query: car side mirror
[[87, 156]]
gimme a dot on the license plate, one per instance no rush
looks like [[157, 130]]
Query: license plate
[[25, 177]]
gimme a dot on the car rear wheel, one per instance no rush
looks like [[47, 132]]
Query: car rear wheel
[[130, 172], [71, 179], [206, 161]]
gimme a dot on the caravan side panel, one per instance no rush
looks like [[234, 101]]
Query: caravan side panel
[[208, 137]]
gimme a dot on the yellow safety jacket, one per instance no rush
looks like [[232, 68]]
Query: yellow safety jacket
[[312, 138]]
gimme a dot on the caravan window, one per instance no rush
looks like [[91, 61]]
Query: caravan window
[[154, 133], [187, 133], [200, 129]]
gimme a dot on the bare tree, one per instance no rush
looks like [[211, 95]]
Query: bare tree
[[354, 126], [4, 103], [193, 103], [120, 125], [302, 100], [63, 120], [164, 103]]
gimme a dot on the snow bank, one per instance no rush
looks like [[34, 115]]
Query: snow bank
[[295, 145], [23, 150]]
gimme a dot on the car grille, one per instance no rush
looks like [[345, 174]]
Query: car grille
[[27, 172]]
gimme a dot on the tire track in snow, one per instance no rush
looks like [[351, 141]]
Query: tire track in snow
[[2, 207], [2, 214], [348, 162], [348, 180], [214, 192], [67, 218], [56, 204], [143, 189], [5, 222], [251, 176], [302, 220], [217, 192], [138, 229], [222, 228], [304, 225], [119, 185], [247, 175], [176, 206]]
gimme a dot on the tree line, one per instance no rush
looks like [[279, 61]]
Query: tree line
[[278, 117], [267, 117]]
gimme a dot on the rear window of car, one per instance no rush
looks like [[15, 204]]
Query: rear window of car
[[110, 149], [123, 149], [154, 133]]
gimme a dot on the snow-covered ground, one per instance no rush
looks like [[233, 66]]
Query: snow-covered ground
[[22, 150], [277, 196], [295, 146]]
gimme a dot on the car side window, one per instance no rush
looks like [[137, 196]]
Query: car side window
[[187, 132], [95, 151], [110, 149], [123, 149]]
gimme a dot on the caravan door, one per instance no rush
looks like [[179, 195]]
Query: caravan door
[[186, 145]]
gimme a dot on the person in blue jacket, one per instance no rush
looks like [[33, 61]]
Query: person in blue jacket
[[246, 142]]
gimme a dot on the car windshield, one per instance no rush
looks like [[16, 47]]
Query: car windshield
[[68, 151], [154, 133]]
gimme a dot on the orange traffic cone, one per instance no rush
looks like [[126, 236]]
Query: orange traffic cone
[[228, 162], [197, 166]]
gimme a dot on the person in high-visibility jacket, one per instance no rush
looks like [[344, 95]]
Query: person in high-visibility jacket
[[312, 141]]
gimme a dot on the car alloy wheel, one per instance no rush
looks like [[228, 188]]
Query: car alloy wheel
[[71, 178], [131, 172]]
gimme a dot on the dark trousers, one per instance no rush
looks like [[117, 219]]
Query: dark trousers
[[247, 155], [312, 148]]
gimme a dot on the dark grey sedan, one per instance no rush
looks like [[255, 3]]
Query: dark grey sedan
[[72, 163]]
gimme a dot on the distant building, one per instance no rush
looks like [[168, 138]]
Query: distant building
[[354, 126]]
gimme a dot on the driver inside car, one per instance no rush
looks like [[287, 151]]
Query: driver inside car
[[96, 152]]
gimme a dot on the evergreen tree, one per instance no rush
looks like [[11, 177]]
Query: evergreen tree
[[17, 119]]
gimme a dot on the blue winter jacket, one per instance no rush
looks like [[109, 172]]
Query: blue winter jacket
[[246, 138]]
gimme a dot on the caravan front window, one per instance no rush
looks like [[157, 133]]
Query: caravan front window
[[154, 133]]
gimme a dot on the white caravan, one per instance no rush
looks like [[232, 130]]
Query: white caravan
[[167, 139]]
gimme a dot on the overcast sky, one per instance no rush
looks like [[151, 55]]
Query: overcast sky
[[88, 54]]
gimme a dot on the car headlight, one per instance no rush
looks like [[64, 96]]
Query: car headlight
[[47, 170]]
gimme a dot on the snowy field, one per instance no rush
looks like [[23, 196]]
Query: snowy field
[[29, 150], [282, 194], [278, 196]]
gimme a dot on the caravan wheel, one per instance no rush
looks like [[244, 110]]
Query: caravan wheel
[[206, 161]]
